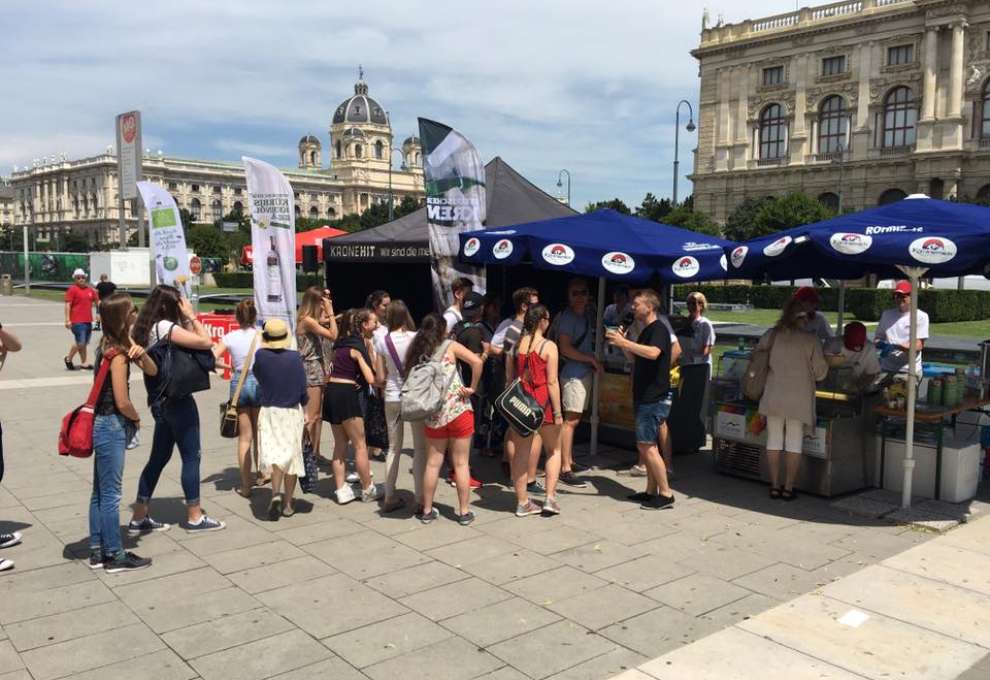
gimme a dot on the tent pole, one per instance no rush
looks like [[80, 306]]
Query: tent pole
[[842, 308], [914, 273], [597, 377]]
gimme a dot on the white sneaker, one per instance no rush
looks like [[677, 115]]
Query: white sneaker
[[353, 477], [6, 564], [345, 494], [372, 493]]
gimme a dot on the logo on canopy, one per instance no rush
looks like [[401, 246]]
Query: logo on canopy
[[778, 246], [558, 254], [618, 263], [738, 256], [692, 246], [932, 250], [723, 263], [472, 246], [502, 249], [851, 244], [686, 267]]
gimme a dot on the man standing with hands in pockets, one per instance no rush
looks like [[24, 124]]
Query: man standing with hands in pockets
[[650, 354]]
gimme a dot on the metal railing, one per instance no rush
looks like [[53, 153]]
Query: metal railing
[[896, 150], [766, 162]]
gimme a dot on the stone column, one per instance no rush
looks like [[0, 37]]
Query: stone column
[[723, 139], [931, 61], [956, 72], [739, 152], [797, 134]]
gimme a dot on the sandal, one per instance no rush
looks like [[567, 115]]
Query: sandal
[[275, 509], [775, 492], [288, 511], [68, 363], [262, 481], [788, 494], [240, 492]]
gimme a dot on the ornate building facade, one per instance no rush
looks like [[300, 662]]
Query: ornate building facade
[[58, 194], [860, 101]]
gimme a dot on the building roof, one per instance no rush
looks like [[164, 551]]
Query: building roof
[[511, 199], [309, 139], [360, 108]]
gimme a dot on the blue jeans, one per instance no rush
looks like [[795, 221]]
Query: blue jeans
[[649, 418], [110, 436], [176, 424]]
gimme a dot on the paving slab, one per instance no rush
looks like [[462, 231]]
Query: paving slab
[[365, 556], [93, 651], [278, 574], [263, 658], [604, 666], [226, 632], [425, 576], [161, 665], [658, 631], [386, 639], [511, 566], [552, 649], [48, 630], [455, 598], [454, 659], [944, 562], [501, 621], [555, 585], [242, 559], [10, 660], [878, 647], [334, 668], [601, 607], [25, 605], [697, 593]]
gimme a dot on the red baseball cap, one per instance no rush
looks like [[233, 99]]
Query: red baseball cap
[[854, 336], [807, 294], [903, 287]]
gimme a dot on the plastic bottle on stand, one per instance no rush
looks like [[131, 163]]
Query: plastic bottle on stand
[[274, 273]]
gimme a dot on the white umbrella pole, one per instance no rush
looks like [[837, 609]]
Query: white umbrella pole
[[913, 273], [596, 377], [842, 307]]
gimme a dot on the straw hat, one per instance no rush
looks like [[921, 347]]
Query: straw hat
[[275, 335]]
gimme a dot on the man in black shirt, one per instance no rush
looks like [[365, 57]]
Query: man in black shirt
[[473, 334], [104, 289], [651, 393]]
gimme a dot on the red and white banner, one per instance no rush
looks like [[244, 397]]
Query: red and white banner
[[218, 326]]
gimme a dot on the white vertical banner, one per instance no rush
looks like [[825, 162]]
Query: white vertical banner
[[273, 241], [168, 240], [129, 153]]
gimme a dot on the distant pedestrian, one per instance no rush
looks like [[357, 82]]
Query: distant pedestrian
[[283, 393], [8, 343], [167, 316], [116, 423], [104, 289], [80, 299]]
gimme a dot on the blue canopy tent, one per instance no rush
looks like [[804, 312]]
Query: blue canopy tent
[[604, 244], [914, 237]]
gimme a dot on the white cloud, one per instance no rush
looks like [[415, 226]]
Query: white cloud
[[585, 85]]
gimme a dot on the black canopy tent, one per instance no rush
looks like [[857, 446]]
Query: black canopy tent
[[396, 256]]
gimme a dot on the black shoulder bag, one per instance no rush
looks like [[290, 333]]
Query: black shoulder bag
[[519, 408]]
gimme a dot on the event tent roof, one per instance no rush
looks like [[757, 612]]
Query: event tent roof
[[511, 199]]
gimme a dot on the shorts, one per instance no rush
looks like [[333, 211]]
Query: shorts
[[314, 373], [249, 392], [784, 434], [575, 395], [82, 333], [460, 427], [649, 418], [341, 401]]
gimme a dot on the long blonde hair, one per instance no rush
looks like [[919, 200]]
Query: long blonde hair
[[311, 305]]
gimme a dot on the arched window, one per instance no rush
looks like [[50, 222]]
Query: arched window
[[195, 209], [832, 124], [830, 201], [985, 106], [339, 150], [891, 196], [238, 207], [358, 151], [331, 212], [312, 158], [379, 150], [216, 208], [773, 132], [314, 213], [899, 117], [936, 188], [983, 195]]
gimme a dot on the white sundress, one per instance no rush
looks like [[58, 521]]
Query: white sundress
[[280, 435]]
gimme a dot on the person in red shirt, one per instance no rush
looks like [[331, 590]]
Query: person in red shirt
[[79, 302]]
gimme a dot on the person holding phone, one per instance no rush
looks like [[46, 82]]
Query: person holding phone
[[315, 324]]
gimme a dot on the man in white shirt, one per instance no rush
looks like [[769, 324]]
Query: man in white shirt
[[459, 288], [894, 329]]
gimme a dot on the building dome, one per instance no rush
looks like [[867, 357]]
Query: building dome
[[360, 108], [309, 139], [410, 141]]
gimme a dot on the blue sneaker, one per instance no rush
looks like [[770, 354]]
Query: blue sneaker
[[205, 524], [146, 526]]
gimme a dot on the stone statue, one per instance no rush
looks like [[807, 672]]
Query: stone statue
[[975, 76]]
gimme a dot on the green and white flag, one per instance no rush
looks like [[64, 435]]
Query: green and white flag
[[168, 240], [273, 240], [455, 203]]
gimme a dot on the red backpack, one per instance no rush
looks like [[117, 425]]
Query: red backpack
[[76, 436]]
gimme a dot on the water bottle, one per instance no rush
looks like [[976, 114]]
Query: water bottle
[[742, 344]]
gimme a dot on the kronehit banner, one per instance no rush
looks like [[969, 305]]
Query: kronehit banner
[[455, 203], [168, 240], [273, 241]]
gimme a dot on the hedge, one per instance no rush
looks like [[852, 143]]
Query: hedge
[[246, 280], [866, 304]]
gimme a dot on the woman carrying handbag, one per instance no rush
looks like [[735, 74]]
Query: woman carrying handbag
[[168, 317], [239, 416], [534, 361]]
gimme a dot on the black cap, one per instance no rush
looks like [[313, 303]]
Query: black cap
[[472, 302]]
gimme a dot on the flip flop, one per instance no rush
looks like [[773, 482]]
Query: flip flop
[[775, 492], [68, 363]]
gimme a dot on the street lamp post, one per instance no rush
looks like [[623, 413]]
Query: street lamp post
[[391, 200], [560, 184], [677, 131]]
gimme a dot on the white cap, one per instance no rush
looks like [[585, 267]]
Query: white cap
[[78, 272]]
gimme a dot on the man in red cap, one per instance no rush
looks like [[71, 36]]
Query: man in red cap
[[816, 323], [894, 329], [859, 353]]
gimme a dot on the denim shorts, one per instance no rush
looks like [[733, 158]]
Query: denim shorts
[[649, 418], [82, 332], [249, 393]]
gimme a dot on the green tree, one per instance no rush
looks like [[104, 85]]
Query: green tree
[[685, 217], [206, 241], [615, 204], [654, 209], [763, 216], [72, 242]]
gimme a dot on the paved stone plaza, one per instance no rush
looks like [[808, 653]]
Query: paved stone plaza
[[344, 593]]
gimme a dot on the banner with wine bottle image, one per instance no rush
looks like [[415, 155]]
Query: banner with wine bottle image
[[168, 241], [273, 239]]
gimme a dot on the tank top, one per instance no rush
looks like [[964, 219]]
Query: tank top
[[105, 403], [532, 371], [344, 366]]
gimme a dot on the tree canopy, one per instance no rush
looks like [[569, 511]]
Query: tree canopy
[[615, 204], [756, 217]]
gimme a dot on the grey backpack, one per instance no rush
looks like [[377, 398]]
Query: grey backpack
[[425, 388]]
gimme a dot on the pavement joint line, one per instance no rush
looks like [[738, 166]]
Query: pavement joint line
[[935, 579], [802, 652]]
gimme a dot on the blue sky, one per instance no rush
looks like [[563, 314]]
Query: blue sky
[[546, 84]]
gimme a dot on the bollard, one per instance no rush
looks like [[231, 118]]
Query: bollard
[[6, 285]]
